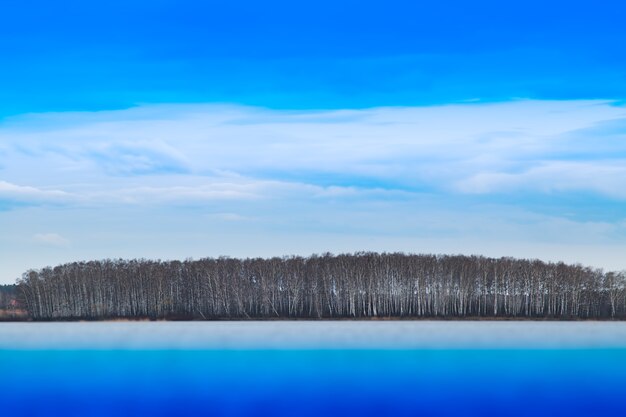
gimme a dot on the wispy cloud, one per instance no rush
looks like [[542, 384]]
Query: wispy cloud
[[606, 177], [29, 194], [51, 239], [476, 148], [137, 158], [197, 180]]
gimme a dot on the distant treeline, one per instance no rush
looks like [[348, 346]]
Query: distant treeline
[[359, 285], [10, 308], [7, 296]]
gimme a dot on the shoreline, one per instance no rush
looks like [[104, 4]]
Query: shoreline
[[305, 319]]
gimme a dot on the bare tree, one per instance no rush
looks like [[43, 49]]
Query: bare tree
[[356, 285]]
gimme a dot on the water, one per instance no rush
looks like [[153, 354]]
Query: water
[[313, 369]]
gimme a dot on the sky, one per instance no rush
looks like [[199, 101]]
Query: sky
[[187, 129]]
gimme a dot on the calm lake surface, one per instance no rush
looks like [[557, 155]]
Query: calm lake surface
[[305, 368]]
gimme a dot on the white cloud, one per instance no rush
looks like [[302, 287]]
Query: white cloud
[[50, 239], [23, 193], [605, 177], [473, 147], [210, 180], [230, 217]]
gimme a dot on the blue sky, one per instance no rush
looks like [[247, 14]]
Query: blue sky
[[187, 129], [77, 55]]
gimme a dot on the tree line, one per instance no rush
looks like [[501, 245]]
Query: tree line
[[7, 296], [359, 285], [10, 308]]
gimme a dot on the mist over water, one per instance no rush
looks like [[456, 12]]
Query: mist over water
[[313, 335], [396, 368]]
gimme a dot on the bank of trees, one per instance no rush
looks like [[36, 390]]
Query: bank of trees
[[10, 309], [7, 296], [359, 285]]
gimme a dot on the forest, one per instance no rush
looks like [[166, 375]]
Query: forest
[[9, 306], [7, 295], [360, 285]]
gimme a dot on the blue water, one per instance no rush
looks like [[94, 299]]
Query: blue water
[[313, 382]]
